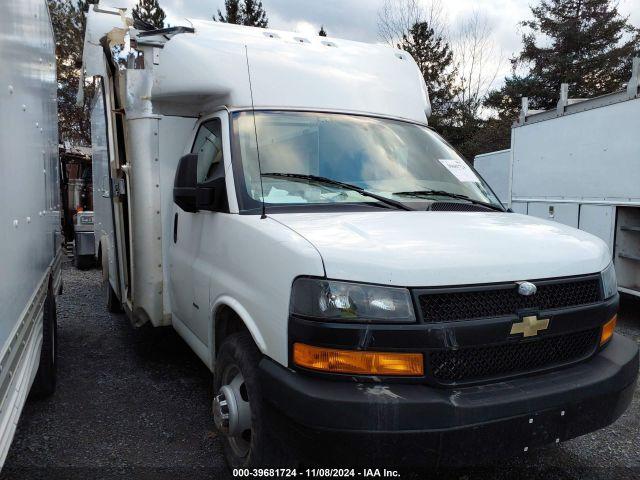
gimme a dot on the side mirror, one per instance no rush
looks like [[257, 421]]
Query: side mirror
[[185, 185], [191, 196], [212, 195]]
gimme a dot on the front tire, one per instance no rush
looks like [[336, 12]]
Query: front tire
[[45, 382], [248, 439]]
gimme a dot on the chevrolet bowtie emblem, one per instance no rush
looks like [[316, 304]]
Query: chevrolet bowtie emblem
[[530, 326]]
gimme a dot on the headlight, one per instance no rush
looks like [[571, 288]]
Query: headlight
[[609, 282], [332, 300]]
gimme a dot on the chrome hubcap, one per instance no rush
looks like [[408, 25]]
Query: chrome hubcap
[[232, 412]]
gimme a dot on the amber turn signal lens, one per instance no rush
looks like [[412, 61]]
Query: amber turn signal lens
[[607, 330], [357, 362]]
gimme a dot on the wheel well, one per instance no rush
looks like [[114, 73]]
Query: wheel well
[[226, 322]]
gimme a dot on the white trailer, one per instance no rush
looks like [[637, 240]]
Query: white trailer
[[281, 202], [30, 247], [579, 164]]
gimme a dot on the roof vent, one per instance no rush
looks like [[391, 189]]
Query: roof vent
[[328, 44], [271, 35], [301, 40], [401, 56]]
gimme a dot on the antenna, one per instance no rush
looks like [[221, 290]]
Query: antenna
[[255, 131]]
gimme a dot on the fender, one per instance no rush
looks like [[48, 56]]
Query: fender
[[236, 306]]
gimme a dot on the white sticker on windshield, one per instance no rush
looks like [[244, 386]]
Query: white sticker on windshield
[[459, 169]]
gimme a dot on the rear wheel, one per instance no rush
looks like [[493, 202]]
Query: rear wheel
[[45, 382], [238, 409]]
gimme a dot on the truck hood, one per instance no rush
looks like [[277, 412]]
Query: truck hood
[[446, 248]]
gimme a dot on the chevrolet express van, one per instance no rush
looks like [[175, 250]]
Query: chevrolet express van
[[352, 283]]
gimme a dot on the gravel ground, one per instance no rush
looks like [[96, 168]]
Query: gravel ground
[[135, 404], [129, 403]]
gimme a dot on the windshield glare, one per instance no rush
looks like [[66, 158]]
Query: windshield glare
[[382, 156]]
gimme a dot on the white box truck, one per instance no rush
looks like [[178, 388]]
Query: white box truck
[[30, 246], [357, 290], [579, 164]]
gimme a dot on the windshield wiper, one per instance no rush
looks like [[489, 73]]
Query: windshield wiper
[[444, 193], [336, 183]]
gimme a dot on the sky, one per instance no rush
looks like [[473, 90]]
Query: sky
[[358, 19]]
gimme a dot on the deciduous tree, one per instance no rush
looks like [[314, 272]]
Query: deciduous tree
[[397, 17]]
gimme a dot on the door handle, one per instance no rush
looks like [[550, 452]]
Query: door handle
[[175, 228]]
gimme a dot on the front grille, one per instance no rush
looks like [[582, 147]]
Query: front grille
[[477, 363], [501, 301]]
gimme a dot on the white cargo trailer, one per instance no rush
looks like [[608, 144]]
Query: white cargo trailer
[[30, 247], [579, 164], [281, 202]]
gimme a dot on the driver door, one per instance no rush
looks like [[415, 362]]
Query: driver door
[[189, 287]]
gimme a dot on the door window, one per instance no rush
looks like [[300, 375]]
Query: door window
[[208, 146]]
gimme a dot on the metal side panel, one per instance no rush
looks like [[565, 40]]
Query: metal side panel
[[19, 360], [495, 168], [145, 219], [176, 134], [600, 220], [520, 207], [566, 213], [29, 189], [591, 155], [102, 196]]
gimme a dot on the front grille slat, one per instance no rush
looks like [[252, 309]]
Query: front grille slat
[[470, 364], [466, 305]]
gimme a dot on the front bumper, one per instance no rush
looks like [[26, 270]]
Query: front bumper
[[419, 424]]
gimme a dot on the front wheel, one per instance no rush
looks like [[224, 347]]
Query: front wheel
[[238, 409]]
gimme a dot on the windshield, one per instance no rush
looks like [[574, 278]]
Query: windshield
[[304, 156]]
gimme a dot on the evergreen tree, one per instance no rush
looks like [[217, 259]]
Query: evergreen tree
[[435, 59], [150, 12], [322, 32], [249, 12], [585, 43], [254, 15], [232, 10], [69, 20]]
